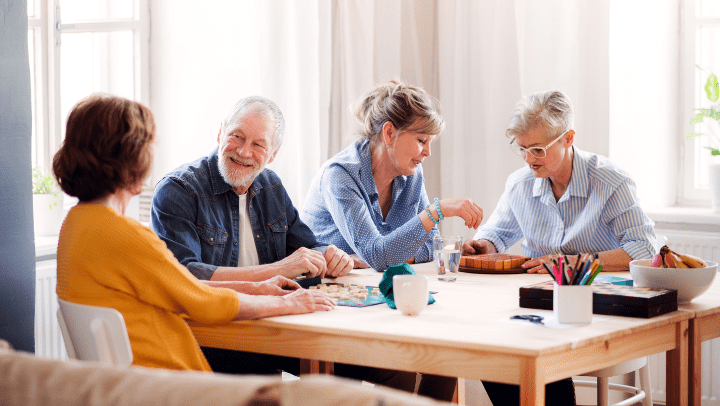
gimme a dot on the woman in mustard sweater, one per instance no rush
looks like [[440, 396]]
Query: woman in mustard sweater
[[106, 259]]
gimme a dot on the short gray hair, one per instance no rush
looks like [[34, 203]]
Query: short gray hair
[[552, 109], [262, 106]]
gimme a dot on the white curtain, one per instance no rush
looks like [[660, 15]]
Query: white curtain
[[493, 52], [315, 58]]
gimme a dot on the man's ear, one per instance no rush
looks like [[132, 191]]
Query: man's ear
[[272, 157], [388, 133]]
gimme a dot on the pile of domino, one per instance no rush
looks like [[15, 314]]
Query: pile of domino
[[346, 291]]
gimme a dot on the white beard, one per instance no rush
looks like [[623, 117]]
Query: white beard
[[237, 177]]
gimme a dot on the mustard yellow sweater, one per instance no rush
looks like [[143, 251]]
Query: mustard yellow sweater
[[105, 259]]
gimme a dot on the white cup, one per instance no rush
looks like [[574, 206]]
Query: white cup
[[573, 304], [410, 293]]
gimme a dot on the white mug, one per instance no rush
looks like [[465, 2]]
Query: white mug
[[410, 293]]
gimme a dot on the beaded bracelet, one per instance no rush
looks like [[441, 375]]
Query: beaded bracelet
[[437, 206], [427, 209]]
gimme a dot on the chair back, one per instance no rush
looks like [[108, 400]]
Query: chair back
[[94, 333]]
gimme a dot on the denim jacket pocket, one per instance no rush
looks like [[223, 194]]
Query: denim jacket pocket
[[212, 235], [279, 229]]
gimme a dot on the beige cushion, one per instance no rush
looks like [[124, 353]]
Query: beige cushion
[[27, 380]]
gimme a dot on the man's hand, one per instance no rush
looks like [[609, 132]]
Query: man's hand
[[276, 286], [307, 301], [304, 261], [339, 263], [358, 263], [475, 247]]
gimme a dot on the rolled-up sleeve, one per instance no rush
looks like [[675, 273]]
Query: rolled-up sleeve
[[633, 228]]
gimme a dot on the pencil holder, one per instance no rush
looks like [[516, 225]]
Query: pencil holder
[[573, 304]]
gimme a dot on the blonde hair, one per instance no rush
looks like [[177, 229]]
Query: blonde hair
[[552, 109], [407, 108]]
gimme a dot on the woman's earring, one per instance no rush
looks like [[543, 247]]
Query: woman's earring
[[387, 146]]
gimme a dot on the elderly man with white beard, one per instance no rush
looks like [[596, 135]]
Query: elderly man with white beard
[[229, 220]]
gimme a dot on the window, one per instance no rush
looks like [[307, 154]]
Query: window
[[79, 47], [699, 56]]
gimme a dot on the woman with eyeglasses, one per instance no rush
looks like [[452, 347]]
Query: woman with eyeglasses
[[563, 202]]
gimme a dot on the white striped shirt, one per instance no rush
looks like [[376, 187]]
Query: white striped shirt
[[599, 211]]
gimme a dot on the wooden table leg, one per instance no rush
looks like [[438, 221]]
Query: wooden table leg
[[677, 365], [311, 366], [695, 363], [532, 389]]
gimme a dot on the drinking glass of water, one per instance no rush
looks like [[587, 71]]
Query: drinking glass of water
[[448, 250]]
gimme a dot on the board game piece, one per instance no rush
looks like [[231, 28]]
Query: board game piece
[[492, 263]]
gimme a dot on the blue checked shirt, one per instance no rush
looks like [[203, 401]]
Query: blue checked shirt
[[342, 208], [598, 212]]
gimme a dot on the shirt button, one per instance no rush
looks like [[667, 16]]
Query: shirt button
[[251, 206], [235, 242], [286, 227], [257, 236], [211, 240], [234, 211]]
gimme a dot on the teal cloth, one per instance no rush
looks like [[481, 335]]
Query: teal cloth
[[386, 284]]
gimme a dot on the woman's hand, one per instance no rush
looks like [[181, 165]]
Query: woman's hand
[[276, 286], [307, 301], [476, 247], [535, 265], [465, 208]]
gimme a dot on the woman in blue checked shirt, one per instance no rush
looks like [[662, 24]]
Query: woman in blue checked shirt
[[370, 198], [565, 201]]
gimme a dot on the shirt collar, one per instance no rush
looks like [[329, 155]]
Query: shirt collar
[[365, 171], [578, 185]]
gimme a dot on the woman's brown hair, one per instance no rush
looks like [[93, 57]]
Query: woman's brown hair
[[408, 108], [107, 147]]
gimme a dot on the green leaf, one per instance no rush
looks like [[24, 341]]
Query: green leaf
[[697, 118], [692, 135], [711, 88], [713, 151]]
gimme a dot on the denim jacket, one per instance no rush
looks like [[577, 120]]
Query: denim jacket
[[196, 213]]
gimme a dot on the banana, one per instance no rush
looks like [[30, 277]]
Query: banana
[[692, 261], [668, 258], [676, 259]]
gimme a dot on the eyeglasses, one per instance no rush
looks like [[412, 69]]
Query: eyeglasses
[[529, 317], [537, 152]]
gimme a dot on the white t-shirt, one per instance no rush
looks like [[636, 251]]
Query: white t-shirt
[[248, 253]]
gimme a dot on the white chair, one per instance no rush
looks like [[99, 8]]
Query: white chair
[[94, 333]]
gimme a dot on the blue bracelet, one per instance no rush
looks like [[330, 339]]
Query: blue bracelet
[[437, 206], [431, 216]]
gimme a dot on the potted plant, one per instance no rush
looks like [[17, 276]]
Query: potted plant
[[713, 115], [47, 210]]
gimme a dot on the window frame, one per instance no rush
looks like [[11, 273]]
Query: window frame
[[48, 26], [689, 193]]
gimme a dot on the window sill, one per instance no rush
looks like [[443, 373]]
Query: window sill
[[685, 218], [45, 247]]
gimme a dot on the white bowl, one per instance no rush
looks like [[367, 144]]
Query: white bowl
[[689, 282]]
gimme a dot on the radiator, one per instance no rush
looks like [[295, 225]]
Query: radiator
[[48, 337], [706, 246]]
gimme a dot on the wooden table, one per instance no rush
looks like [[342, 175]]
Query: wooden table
[[705, 325], [466, 333]]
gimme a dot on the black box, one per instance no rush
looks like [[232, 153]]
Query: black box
[[615, 300]]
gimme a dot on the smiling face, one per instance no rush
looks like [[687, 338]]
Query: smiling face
[[245, 150], [408, 149], [557, 159]]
